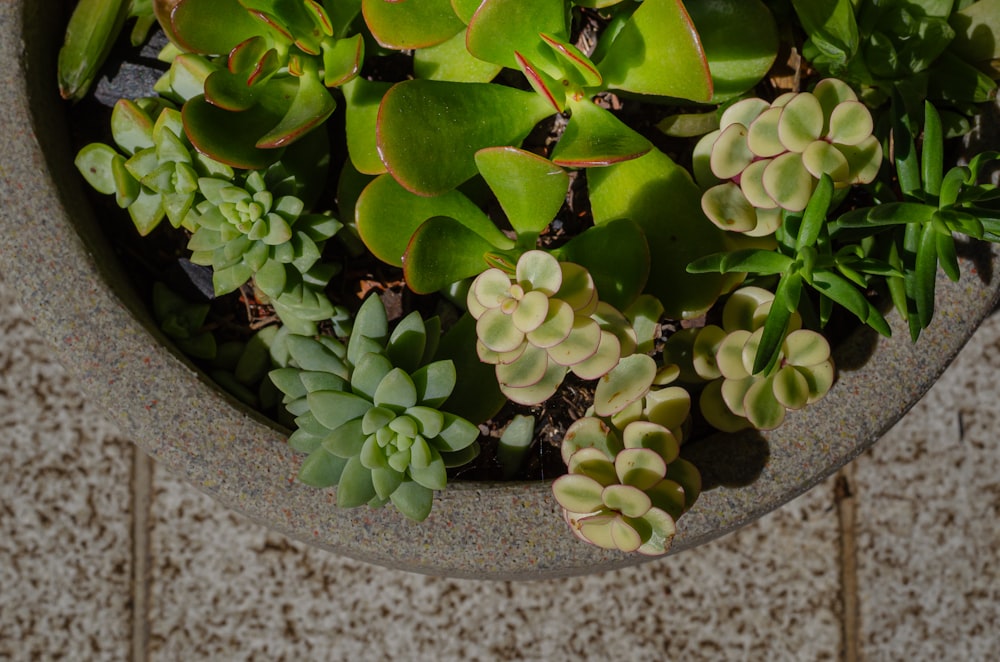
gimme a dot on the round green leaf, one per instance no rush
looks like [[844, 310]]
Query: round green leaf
[[447, 123], [821, 158], [762, 408], [451, 60], [628, 500], [536, 393], [788, 182], [645, 434], [607, 356], [752, 185], [731, 152], [527, 370], [806, 348], [557, 325], [727, 207], [716, 412], [659, 530], [590, 432], [443, 251], [762, 134], [407, 25], [625, 384], [791, 388], [850, 123], [212, 27], [801, 122], [362, 98], [388, 216], [539, 271], [496, 330], [640, 467], [396, 391], [581, 343], [578, 494]]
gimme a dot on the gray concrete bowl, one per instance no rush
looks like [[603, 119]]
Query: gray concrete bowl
[[84, 304]]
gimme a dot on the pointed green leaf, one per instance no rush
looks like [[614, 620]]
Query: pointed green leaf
[[334, 408], [413, 500], [355, 487], [443, 251], [659, 31], [321, 469], [595, 137], [530, 189]]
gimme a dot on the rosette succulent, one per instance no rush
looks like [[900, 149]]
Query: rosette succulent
[[541, 323], [369, 413], [737, 396], [240, 229], [625, 491], [766, 159], [156, 173]]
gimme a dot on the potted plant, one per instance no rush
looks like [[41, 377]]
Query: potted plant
[[651, 286]]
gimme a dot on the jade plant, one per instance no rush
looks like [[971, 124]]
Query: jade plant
[[539, 228]]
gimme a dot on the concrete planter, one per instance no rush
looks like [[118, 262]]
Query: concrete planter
[[83, 303]]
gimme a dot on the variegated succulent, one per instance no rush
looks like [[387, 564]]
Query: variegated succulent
[[737, 397], [766, 158], [369, 413], [541, 322], [626, 484]]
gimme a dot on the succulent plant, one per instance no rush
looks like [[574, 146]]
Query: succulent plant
[[93, 28], [157, 173], [369, 413], [935, 206], [766, 159], [545, 320], [739, 394], [240, 230], [183, 322], [280, 58], [626, 484]]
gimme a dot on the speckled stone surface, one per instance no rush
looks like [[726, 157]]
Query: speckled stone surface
[[479, 530], [929, 519], [224, 589], [65, 502]]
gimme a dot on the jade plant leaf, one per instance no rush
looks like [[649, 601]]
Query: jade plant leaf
[[362, 98], [476, 395], [499, 28], [228, 137], [617, 257], [451, 60], [443, 251], [529, 188], [213, 27], [448, 123], [660, 196], [659, 31], [595, 137], [406, 25], [738, 58], [388, 215]]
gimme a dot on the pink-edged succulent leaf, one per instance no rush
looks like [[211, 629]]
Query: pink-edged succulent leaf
[[342, 60], [571, 60], [646, 434], [617, 257], [499, 28], [451, 60], [387, 216], [229, 137], [738, 56], [443, 251], [539, 392], [429, 131], [406, 25], [578, 493], [659, 31], [362, 98], [626, 383], [213, 27], [641, 468], [595, 137], [310, 107], [548, 87], [591, 433], [662, 198], [530, 188]]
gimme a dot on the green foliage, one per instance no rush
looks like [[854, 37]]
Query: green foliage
[[369, 412], [183, 322], [626, 484], [739, 393], [935, 207], [542, 321], [766, 159]]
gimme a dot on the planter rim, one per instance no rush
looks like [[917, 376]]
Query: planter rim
[[52, 253]]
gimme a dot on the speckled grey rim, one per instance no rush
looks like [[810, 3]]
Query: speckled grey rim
[[52, 253]]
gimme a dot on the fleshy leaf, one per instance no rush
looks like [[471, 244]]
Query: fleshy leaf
[[595, 137], [407, 25], [625, 384], [659, 31], [449, 122], [499, 28], [413, 500], [578, 494], [443, 251], [388, 216], [617, 256], [530, 188]]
